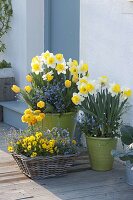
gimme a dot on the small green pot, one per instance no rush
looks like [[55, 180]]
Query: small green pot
[[65, 121], [99, 150]]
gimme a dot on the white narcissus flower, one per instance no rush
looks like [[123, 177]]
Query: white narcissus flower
[[83, 68], [103, 80], [77, 99], [36, 65], [44, 56], [51, 61], [82, 80], [59, 58], [61, 68]]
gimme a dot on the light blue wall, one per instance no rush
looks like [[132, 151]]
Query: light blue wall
[[62, 25]]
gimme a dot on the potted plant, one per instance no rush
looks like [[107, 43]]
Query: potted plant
[[104, 103], [43, 154], [6, 81], [53, 82], [127, 153]]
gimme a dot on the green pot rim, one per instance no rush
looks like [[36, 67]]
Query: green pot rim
[[60, 114], [100, 138]]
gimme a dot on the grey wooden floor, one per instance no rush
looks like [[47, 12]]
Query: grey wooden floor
[[84, 185]]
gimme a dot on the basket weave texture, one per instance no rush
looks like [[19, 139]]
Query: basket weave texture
[[44, 167]]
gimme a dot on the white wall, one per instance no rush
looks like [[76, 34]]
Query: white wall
[[106, 40], [26, 38]]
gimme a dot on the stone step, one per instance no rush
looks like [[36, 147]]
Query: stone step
[[12, 113]]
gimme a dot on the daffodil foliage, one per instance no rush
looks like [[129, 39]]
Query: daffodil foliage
[[104, 103]]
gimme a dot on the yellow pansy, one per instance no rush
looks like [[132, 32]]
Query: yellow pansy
[[38, 134], [127, 92], [34, 143], [15, 89], [32, 138], [34, 154], [29, 78], [77, 99], [28, 89], [68, 83], [41, 104], [10, 149], [29, 148]]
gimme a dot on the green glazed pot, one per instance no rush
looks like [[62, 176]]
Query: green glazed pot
[[99, 150], [65, 121]]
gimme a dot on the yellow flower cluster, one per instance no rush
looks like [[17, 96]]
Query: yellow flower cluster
[[32, 117], [35, 145]]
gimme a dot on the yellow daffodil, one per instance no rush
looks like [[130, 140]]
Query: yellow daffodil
[[72, 63], [49, 76], [45, 56], [37, 68], [68, 83], [59, 58], [73, 70], [75, 78], [51, 61], [83, 80], [90, 87], [127, 92], [29, 78], [15, 89], [77, 99], [27, 88], [115, 89], [83, 68], [61, 68], [41, 104], [83, 89]]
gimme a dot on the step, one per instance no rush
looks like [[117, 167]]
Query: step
[[12, 113]]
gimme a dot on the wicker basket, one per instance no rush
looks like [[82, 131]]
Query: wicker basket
[[43, 167]]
